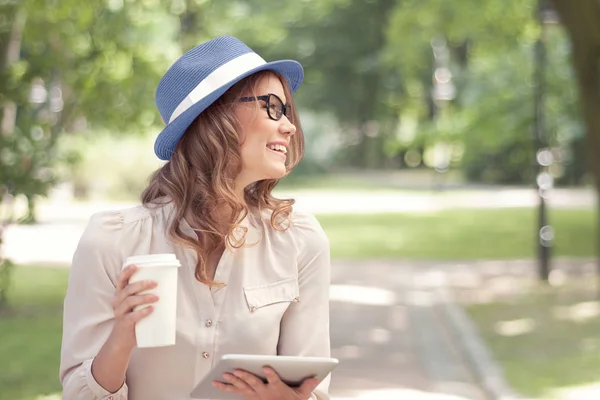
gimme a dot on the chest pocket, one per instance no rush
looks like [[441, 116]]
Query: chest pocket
[[283, 291]]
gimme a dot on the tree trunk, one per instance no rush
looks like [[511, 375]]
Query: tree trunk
[[10, 56], [581, 18], [582, 21], [10, 52]]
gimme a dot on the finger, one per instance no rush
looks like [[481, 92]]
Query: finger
[[251, 380], [137, 287], [135, 316], [226, 387], [131, 302], [123, 278], [238, 382], [272, 376], [132, 289], [307, 387]]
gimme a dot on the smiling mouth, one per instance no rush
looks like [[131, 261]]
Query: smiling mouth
[[278, 148], [279, 153]]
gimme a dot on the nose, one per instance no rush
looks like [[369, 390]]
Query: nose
[[286, 127]]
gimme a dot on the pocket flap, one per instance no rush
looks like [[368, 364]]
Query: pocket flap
[[285, 290]]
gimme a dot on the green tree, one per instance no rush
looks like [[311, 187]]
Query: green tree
[[347, 75], [70, 73], [74, 75], [490, 55], [496, 118]]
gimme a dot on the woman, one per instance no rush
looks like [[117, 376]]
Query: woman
[[255, 275]]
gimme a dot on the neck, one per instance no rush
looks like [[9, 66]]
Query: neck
[[222, 212]]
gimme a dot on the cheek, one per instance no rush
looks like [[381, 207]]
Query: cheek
[[252, 148]]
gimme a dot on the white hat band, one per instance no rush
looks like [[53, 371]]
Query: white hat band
[[219, 77]]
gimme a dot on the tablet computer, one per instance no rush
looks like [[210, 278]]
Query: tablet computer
[[292, 370]]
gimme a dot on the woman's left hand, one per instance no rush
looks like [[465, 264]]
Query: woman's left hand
[[253, 388]]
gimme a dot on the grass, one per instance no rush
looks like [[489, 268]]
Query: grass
[[30, 334], [560, 351], [372, 180], [332, 182], [457, 234]]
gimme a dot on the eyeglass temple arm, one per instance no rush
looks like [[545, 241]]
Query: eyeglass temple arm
[[248, 99]]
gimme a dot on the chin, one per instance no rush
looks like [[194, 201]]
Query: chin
[[276, 173]]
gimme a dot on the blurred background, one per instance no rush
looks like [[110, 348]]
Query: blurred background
[[451, 158]]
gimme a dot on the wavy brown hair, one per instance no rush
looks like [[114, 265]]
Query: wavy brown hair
[[199, 179]]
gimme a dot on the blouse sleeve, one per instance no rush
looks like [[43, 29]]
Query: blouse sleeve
[[305, 324], [88, 316]]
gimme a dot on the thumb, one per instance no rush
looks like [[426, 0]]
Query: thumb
[[307, 387]]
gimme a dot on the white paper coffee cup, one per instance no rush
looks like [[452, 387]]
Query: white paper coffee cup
[[158, 328]]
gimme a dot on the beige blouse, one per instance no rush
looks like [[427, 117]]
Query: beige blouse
[[275, 301]]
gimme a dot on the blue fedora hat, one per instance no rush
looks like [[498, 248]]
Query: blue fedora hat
[[202, 75]]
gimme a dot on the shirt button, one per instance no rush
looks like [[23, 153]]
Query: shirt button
[[208, 323], [205, 355], [252, 308]]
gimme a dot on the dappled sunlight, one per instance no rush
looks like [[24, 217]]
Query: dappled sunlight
[[580, 392], [404, 394], [55, 396], [380, 335], [546, 336], [590, 344], [557, 278], [349, 352], [580, 312], [509, 280], [429, 279], [421, 298], [362, 295], [516, 327]]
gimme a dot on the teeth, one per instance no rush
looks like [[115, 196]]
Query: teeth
[[278, 147]]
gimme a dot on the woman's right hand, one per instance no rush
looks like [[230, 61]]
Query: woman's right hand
[[127, 297]]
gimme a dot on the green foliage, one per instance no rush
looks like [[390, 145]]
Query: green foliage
[[490, 55], [499, 123], [497, 138], [110, 167], [98, 70], [105, 61], [368, 65], [340, 45]]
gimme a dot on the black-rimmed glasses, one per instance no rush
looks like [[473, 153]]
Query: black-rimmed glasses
[[275, 107]]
